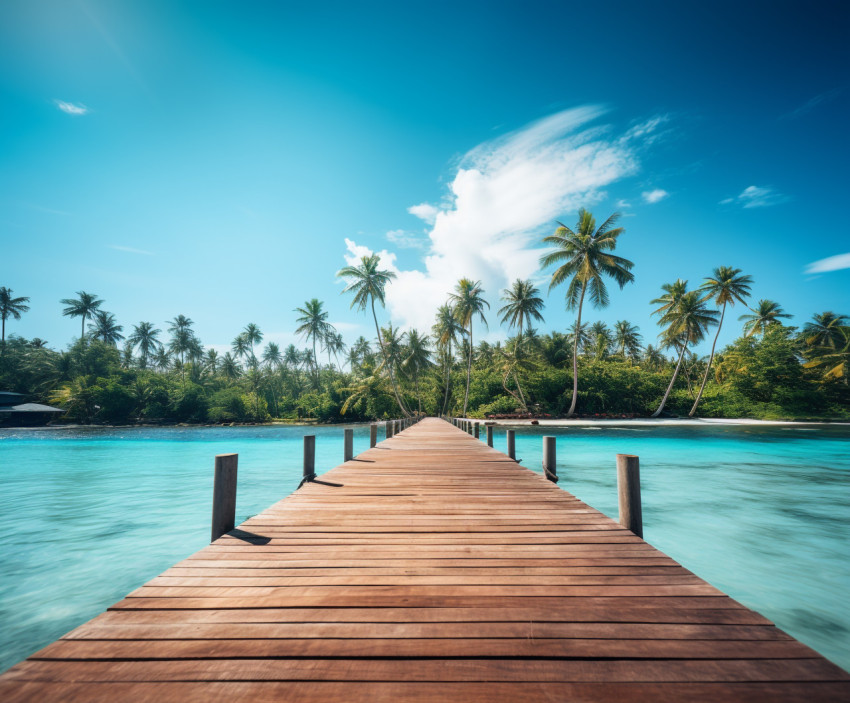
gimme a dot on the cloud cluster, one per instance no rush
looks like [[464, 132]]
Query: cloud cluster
[[756, 196], [505, 193], [654, 196], [71, 108]]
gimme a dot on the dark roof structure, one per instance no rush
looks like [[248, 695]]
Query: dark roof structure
[[15, 412]]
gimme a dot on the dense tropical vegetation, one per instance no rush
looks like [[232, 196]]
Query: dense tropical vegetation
[[772, 371]]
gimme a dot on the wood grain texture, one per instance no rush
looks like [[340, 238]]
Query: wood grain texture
[[438, 570]]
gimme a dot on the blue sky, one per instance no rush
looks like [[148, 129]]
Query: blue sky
[[223, 160]]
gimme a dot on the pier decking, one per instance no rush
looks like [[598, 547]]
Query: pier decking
[[431, 567]]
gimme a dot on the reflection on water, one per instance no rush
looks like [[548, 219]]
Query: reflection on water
[[91, 514]]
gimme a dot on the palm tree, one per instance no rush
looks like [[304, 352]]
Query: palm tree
[[230, 367], [105, 328], [212, 361], [627, 337], [418, 358], [146, 337], [369, 283], [585, 256], [84, 305], [578, 336], [446, 330], [253, 336], [653, 358], [10, 307], [181, 339], [272, 356], [766, 313], [823, 331], [335, 345], [522, 304], [392, 342], [161, 359], [241, 347], [359, 351], [836, 359], [687, 322], [467, 303], [725, 286], [313, 324]]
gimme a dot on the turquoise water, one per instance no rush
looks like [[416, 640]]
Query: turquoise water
[[762, 513]]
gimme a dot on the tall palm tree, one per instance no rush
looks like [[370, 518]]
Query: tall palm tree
[[84, 305], [653, 358], [823, 331], [241, 347], [10, 308], [313, 324], [335, 345], [146, 337], [725, 286], [272, 356], [105, 328], [687, 322], [627, 337], [467, 303], [253, 335], [522, 304], [418, 358], [584, 257], [766, 313], [230, 368], [181, 340], [446, 330], [392, 341], [368, 283], [578, 336], [212, 361]]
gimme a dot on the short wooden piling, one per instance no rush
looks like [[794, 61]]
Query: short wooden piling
[[510, 435], [476, 433], [373, 435], [224, 495], [348, 446], [469, 427], [550, 466], [489, 435], [309, 457], [628, 493]]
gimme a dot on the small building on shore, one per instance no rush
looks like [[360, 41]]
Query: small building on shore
[[14, 412]]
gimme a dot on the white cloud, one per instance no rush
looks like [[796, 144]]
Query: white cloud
[[756, 196], [71, 108], [130, 250], [622, 204], [831, 263], [406, 239], [504, 195], [425, 212], [654, 196]]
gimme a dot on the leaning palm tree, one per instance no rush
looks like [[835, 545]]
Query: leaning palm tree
[[105, 328], [522, 304], [686, 323], [765, 314], [84, 305], [418, 359], [823, 331], [725, 286], [446, 330], [146, 337], [313, 324], [584, 257], [10, 308], [467, 302], [368, 283]]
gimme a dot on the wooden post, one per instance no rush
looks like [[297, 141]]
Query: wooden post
[[224, 495], [511, 437], [469, 427], [476, 431], [348, 445], [309, 458], [550, 466], [373, 434], [628, 493], [489, 435], [389, 428]]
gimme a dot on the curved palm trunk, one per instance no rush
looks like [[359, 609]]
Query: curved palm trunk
[[418, 396], [386, 361], [448, 377], [710, 359], [468, 369], [516, 375], [83, 328], [672, 380], [572, 409]]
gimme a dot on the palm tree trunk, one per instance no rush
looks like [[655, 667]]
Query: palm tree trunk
[[710, 359], [572, 409], [386, 361], [468, 369], [448, 377], [418, 396], [3, 337], [672, 380], [83, 328]]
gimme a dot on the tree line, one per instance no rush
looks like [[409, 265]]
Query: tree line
[[772, 370]]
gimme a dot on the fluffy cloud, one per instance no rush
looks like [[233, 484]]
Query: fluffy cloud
[[831, 263], [71, 108], [504, 194], [654, 196], [756, 196]]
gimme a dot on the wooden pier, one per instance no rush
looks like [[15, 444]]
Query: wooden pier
[[430, 568]]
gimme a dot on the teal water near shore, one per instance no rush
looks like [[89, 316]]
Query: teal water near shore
[[89, 515]]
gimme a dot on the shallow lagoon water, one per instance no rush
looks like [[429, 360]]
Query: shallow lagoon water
[[89, 515]]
